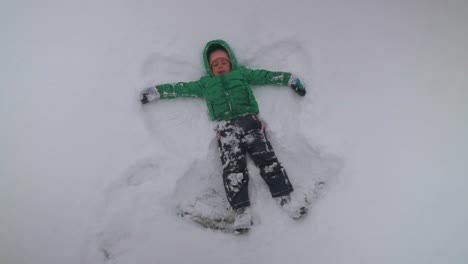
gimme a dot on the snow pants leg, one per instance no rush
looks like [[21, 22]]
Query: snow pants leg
[[237, 138]]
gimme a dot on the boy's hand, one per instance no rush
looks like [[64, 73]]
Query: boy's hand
[[297, 86], [149, 94]]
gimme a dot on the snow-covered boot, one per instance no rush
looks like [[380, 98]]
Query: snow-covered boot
[[295, 207], [243, 220]]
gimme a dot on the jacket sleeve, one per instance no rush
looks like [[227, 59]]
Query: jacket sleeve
[[180, 89], [262, 77]]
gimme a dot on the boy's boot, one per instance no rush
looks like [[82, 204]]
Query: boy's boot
[[243, 220], [295, 207]]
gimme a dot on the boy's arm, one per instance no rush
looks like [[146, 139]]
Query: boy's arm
[[172, 90], [262, 77], [180, 89]]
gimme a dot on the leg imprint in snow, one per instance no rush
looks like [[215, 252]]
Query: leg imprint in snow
[[311, 169], [200, 194], [125, 208]]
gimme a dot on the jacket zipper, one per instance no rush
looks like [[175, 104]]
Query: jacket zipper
[[226, 92]]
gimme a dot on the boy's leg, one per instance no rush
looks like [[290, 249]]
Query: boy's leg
[[259, 147], [235, 175]]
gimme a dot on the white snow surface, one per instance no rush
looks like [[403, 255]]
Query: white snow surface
[[88, 175]]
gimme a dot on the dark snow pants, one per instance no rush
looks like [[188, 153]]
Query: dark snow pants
[[236, 138]]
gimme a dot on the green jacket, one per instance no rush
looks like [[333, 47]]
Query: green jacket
[[229, 95]]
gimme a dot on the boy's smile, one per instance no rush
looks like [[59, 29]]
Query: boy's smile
[[220, 66]]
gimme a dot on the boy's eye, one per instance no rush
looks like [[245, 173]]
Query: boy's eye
[[221, 62]]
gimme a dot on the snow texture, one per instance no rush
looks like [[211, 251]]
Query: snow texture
[[88, 175]]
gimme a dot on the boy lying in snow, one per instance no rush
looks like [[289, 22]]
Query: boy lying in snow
[[233, 108]]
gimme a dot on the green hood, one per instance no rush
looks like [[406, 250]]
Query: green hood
[[215, 44]]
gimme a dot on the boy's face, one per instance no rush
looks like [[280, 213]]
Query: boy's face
[[220, 66]]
